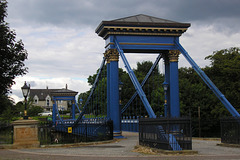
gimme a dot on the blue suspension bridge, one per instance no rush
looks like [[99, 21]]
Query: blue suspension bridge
[[135, 34]]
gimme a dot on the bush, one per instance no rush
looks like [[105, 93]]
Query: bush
[[34, 110]]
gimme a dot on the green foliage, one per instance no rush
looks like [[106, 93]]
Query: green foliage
[[10, 112], [34, 110], [12, 53], [12, 56], [13, 112], [195, 94], [224, 71], [154, 88]]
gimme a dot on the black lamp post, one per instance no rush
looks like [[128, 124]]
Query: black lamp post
[[25, 91], [165, 88]]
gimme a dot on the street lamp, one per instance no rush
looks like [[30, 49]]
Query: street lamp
[[81, 102], [120, 86], [165, 88], [25, 91]]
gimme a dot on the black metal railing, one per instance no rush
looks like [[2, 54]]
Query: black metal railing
[[166, 133], [45, 135], [6, 133], [230, 130], [87, 130]]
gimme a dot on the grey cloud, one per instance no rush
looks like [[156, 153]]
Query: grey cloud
[[205, 10], [32, 83], [59, 34], [79, 13]]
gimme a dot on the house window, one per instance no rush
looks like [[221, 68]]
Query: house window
[[48, 103], [35, 99], [48, 99]]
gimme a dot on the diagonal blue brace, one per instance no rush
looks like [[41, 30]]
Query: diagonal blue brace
[[209, 83], [77, 106], [143, 82], [135, 81]]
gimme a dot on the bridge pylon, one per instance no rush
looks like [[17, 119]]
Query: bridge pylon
[[141, 34]]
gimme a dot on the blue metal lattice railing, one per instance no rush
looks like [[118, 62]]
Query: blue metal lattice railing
[[143, 82], [95, 105], [135, 81]]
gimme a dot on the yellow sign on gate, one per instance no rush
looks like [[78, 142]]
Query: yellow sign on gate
[[69, 129]]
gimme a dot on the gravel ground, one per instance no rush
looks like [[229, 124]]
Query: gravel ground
[[205, 147], [121, 150]]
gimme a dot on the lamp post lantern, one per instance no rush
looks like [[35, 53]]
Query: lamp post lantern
[[81, 102], [165, 88], [25, 91], [120, 86]]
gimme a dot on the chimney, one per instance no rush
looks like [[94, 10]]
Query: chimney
[[66, 86]]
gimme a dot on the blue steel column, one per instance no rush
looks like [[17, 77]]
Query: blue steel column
[[106, 55], [54, 111], [167, 80], [174, 84], [115, 113], [108, 90]]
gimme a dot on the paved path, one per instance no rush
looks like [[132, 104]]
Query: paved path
[[121, 150]]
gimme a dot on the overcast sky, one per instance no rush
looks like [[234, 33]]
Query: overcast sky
[[63, 47]]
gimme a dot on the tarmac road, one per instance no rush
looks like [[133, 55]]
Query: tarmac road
[[121, 150]]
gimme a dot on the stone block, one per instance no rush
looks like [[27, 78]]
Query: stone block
[[25, 134]]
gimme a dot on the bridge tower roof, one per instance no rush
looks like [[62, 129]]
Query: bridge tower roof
[[141, 25]]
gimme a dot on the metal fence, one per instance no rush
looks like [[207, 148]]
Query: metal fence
[[6, 133], [166, 133], [230, 130], [86, 131]]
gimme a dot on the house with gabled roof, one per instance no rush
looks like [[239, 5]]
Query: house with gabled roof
[[43, 98]]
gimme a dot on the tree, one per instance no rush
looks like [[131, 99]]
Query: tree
[[34, 110], [195, 95], [224, 71], [12, 56], [153, 88], [6, 115], [12, 53]]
